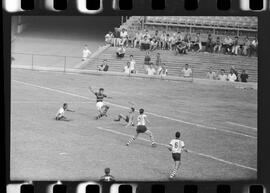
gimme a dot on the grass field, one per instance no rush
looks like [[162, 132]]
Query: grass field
[[217, 123]]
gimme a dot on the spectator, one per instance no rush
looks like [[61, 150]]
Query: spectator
[[132, 64], [222, 76], [231, 76], [107, 177], [179, 36], [157, 38], [198, 42], [218, 45], [138, 38], [187, 39], [235, 72], [147, 60], [148, 36], [253, 47], [121, 52], [127, 68], [244, 76], [163, 71], [211, 75], [166, 42], [228, 43], [151, 70], [246, 46], [181, 47], [104, 66], [209, 44], [109, 38], [158, 59], [236, 46], [86, 53], [145, 43], [172, 41], [153, 44], [117, 38], [162, 40], [123, 36], [187, 72]]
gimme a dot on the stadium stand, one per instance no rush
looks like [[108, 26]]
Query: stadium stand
[[200, 62]]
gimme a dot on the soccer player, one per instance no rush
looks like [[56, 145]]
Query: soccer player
[[101, 107], [60, 113], [129, 119], [141, 128], [107, 177], [176, 146]]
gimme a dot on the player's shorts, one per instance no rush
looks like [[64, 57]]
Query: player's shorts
[[176, 156], [141, 129], [99, 105]]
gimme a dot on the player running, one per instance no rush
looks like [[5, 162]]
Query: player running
[[176, 146], [101, 107], [60, 113], [141, 128], [129, 119]]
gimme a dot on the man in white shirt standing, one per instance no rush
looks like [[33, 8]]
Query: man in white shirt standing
[[211, 75], [132, 63], [151, 70], [86, 53], [176, 146], [231, 77], [187, 71]]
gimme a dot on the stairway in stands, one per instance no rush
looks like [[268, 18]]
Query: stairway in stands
[[200, 62]]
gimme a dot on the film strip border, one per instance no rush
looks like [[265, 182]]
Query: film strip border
[[99, 6], [95, 187]]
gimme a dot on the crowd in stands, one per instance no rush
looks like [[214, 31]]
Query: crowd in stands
[[232, 76], [181, 43]]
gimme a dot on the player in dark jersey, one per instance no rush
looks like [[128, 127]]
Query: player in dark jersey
[[129, 119], [101, 107], [107, 177]]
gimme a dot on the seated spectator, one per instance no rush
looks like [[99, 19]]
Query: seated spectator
[[166, 45], [163, 71], [187, 39], [235, 72], [156, 36], [86, 53], [222, 76], [151, 70], [211, 75], [147, 34], [121, 52], [181, 47], [138, 38], [116, 35], [107, 177], [147, 60], [246, 47], [104, 66], [153, 44], [187, 72], [236, 46], [227, 44], [244, 76], [209, 44], [109, 38], [197, 42], [218, 45], [180, 36], [145, 43], [172, 41], [127, 68], [132, 63], [124, 37], [231, 76], [253, 47]]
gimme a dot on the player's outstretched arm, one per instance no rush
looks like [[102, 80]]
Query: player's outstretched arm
[[91, 90], [184, 149], [170, 147], [70, 110]]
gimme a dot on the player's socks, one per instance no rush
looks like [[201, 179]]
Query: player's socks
[[117, 119], [130, 141]]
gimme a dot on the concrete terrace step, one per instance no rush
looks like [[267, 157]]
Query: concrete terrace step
[[200, 62]]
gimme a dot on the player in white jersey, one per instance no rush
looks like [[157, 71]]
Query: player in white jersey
[[60, 113], [141, 128], [176, 146]]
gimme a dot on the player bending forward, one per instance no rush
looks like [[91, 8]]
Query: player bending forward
[[141, 128], [129, 119], [60, 113], [101, 107], [176, 147]]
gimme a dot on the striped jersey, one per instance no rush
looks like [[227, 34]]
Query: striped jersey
[[100, 96]]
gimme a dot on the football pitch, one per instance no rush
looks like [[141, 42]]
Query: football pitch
[[217, 124]]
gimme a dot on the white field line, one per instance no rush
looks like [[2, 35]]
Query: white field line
[[153, 114], [193, 152], [237, 124], [46, 102]]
